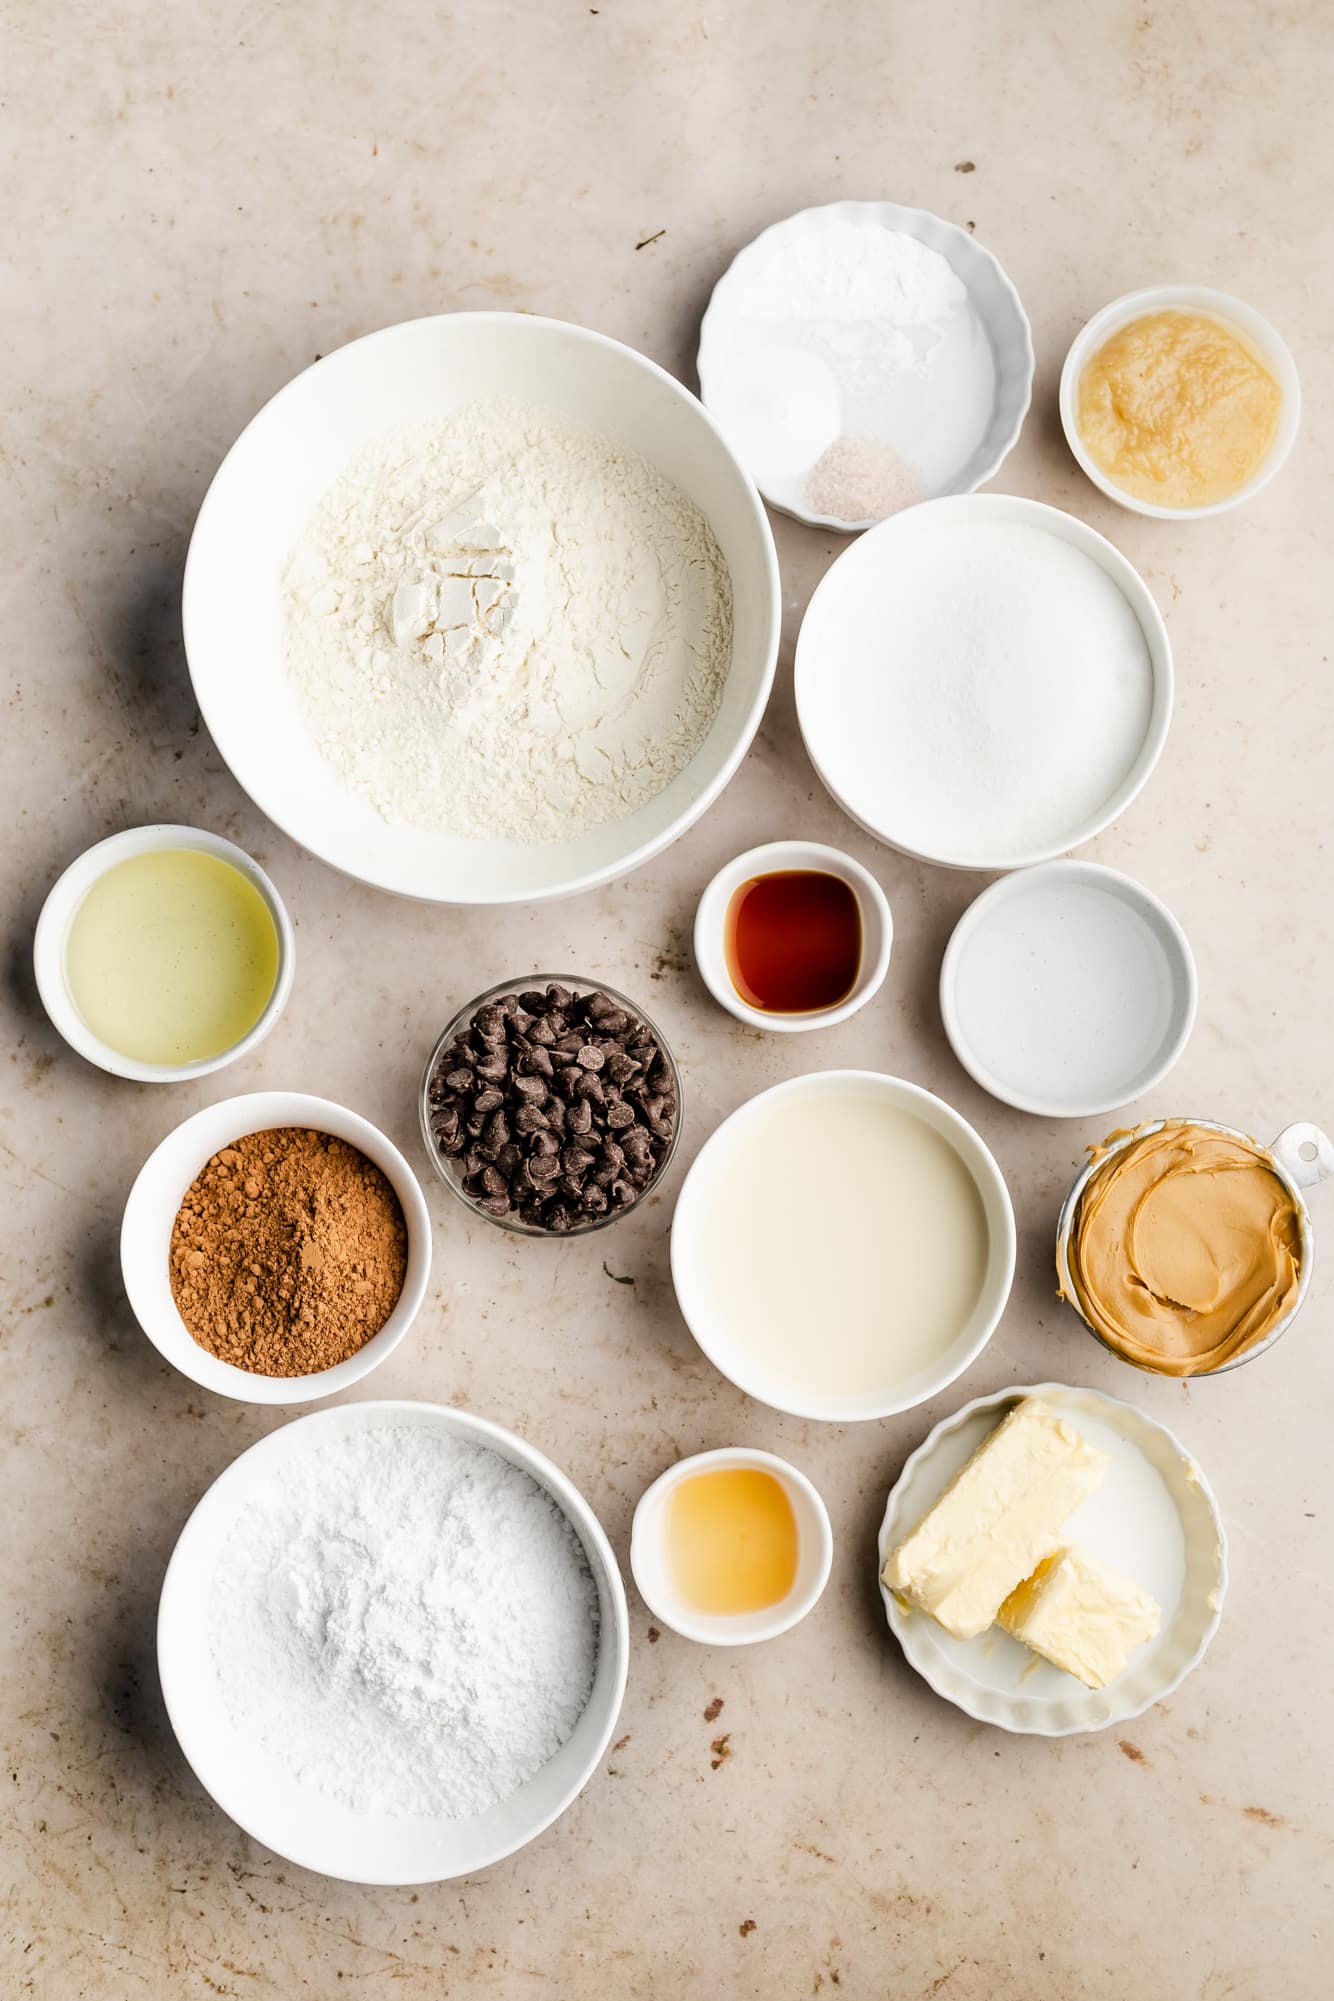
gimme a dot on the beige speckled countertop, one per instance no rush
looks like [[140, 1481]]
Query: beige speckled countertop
[[197, 202]]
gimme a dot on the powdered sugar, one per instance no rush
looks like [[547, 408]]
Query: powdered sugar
[[505, 625], [407, 1623]]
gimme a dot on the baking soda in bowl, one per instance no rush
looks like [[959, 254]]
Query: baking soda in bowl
[[832, 1250]]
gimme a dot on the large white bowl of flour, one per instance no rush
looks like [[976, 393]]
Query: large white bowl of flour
[[482, 609], [393, 1642], [983, 681]]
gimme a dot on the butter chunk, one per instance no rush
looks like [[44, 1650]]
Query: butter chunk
[[999, 1517], [1080, 1616]]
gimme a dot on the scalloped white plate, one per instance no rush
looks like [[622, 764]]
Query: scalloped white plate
[[1154, 1517], [723, 330]]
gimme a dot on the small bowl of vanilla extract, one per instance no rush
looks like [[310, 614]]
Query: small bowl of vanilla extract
[[793, 935]]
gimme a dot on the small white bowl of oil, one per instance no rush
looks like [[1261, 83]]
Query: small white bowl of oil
[[164, 953], [731, 1547]]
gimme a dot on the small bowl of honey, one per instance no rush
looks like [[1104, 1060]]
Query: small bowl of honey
[[731, 1547], [793, 935]]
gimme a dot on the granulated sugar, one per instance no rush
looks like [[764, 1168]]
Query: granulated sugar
[[406, 1622], [995, 688]]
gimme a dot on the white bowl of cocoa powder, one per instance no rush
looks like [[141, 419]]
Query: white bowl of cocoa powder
[[276, 1247]]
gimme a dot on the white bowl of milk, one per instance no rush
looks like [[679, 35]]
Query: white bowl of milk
[[843, 1246]]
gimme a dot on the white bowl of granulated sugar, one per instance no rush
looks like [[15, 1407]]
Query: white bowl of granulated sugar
[[482, 609], [393, 1641]]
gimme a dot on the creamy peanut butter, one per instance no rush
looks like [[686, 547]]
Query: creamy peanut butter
[[1186, 1249]]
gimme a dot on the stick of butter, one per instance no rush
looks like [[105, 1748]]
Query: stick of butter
[[1080, 1616], [1000, 1515]]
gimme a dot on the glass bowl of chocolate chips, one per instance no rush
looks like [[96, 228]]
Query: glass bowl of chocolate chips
[[551, 1106]]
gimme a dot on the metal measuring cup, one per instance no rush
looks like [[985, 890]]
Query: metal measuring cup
[[1302, 1156]]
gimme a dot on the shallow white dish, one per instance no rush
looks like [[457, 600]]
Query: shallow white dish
[[993, 297], [150, 1212], [52, 935], [711, 931], [1154, 1518], [279, 468], [309, 1827], [852, 720], [652, 1571], [1185, 298], [1067, 990], [698, 1202]]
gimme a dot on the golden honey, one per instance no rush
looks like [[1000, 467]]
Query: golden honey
[[731, 1540]]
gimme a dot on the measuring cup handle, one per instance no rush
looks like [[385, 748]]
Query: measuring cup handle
[[1305, 1153]]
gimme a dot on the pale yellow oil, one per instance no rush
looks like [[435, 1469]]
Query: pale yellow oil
[[732, 1540], [172, 956]]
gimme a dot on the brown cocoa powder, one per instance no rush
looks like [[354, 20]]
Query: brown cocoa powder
[[288, 1252]]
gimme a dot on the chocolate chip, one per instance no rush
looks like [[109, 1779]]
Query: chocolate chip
[[557, 1106]]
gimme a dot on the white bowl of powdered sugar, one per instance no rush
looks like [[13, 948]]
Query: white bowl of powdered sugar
[[482, 609], [393, 1642]]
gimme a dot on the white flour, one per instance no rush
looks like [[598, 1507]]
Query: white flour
[[407, 1622], [858, 376], [504, 625]]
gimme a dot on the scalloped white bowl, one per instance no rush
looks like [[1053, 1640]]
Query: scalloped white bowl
[[993, 297], [1154, 1518]]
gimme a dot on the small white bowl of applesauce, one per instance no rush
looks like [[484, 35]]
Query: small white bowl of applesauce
[[1179, 401]]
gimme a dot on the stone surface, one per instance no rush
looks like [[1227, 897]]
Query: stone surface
[[198, 202]]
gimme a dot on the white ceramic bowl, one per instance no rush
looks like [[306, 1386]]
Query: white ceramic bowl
[[1267, 342], [841, 647], [1067, 990], [52, 935], [150, 1212], [1154, 1518], [306, 1826], [711, 931], [717, 1338], [652, 1570], [279, 468], [993, 297]]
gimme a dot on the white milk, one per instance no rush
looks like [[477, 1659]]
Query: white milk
[[837, 1246]]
